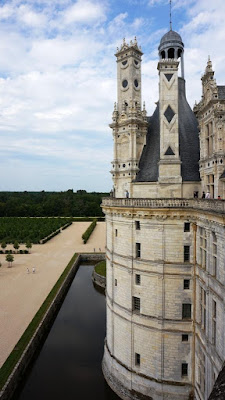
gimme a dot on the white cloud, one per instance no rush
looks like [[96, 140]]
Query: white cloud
[[84, 11]]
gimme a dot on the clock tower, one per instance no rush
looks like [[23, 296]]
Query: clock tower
[[129, 119]]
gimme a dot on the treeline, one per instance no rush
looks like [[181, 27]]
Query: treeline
[[51, 204]]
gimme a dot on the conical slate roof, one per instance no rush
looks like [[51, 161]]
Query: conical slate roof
[[188, 143]]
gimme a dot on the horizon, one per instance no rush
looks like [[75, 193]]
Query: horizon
[[58, 81]]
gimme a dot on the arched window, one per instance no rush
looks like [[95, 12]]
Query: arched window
[[163, 54], [171, 53], [179, 53]]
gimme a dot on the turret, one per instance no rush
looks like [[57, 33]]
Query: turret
[[129, 119]]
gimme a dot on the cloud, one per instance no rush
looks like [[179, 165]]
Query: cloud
[[84, 11]]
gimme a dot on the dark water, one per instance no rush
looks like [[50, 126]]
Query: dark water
[[69, 364]]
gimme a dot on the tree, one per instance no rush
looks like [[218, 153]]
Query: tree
[[9, 258], [3, 245], [28, 245], [16, 245]]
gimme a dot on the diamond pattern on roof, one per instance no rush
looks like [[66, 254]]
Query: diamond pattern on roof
[[169, 152], [169, 114], [168, 76]]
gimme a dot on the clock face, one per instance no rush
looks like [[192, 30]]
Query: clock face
[[124, 83], [136, 83]]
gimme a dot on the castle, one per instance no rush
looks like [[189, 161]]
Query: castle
[[165, 243]]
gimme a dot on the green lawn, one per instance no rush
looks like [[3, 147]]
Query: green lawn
[[101, 268]]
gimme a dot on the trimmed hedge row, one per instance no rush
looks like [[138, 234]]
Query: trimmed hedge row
[[43, 241], [21, 345], [89, 231], [14, 252]]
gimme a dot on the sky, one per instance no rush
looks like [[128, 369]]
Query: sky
[[58, 81]]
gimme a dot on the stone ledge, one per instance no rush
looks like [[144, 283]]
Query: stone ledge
[[215, 206]]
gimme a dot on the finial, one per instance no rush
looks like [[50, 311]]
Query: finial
[[135, 40], [115, 106], [144, 105], [124, 41], [171, 15]]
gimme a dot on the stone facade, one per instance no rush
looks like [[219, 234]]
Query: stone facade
[[165, 253], [211, 116]]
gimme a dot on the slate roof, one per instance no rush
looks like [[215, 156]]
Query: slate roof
[[221, 92], [188, 143], [171, 36]]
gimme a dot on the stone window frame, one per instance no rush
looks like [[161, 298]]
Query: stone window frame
[[187, 226], [137, 279], [187, 253], [137, 359], [184, 369], [137, 225], [186, 284], [138, 250], [202, 247], [186, 311], [201, 371], [214, 321], [214, 255], [203, 306], [136, 304]]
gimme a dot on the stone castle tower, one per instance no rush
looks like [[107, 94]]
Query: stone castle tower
[[165, 249]]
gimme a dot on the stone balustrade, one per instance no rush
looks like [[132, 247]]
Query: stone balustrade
[[217, 206]]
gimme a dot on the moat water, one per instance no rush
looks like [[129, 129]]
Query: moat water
[[68, 366]]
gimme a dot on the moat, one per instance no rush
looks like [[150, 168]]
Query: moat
[[69, 364]]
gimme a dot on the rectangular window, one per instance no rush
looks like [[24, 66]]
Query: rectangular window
[[138, 279], [187, 227], [136, 303], [203, 308], [203, 247], [213, 322], [184, 369], [137, 225], [186, 253], [186, 284], [184, 338], [137, 359], [116, 232], [138, 250], [186, 311], [201, 370], [115, 282], [214, 254]]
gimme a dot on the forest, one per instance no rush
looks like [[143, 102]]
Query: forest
[[51, 204]]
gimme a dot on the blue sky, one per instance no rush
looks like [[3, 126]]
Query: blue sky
[[58, 80]]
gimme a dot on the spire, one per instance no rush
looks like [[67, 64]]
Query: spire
[[171, 15]]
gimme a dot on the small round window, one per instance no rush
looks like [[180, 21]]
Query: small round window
[[124, 83], [136, 83], [136, 62], [124, 62]]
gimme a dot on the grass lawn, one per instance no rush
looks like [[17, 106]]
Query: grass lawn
[[101, 268]]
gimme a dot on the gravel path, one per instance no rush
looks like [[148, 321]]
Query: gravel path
[[22, 293]]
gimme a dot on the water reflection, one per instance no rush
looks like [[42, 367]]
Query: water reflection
[[69, 364]]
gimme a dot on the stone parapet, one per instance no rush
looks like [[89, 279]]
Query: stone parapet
[[217, 206]]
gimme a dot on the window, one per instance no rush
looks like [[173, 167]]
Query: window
[[138, 250], [136, 303], [138, 279], [137, 359], [186, 284], [115, 282], [186, 253], [137, 225], [201, 370], [203, 247], [187, 227], [116, 232], [186, 311], [203, 308], [214, 254], [213, 322], [184, 338], [184, 369]]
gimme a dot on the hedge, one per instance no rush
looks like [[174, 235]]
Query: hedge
[[89, 231]]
